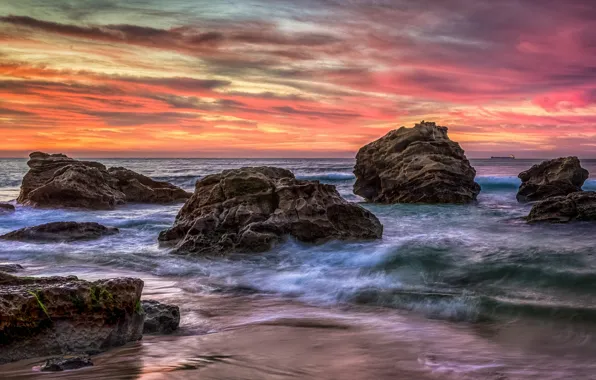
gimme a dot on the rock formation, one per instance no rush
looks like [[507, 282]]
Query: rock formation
[[160, 318], [250, 209], [142, 189], [562, 209], [6, 208], [560, 176], [61, 231], [55, 180], [415, 165], [58, 315], [66, 363]]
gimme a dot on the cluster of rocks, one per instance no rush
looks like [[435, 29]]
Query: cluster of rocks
[[556, 187], [60, 315], [58, 181]]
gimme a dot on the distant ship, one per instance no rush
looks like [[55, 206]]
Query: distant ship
[[510, 157]]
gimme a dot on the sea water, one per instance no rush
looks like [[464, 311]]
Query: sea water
[[466, 265]]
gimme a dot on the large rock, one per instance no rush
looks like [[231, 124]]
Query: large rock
[[58, 181], [250, 209], [61, 231], [59, 315], [562, 209], [560, 176], [160, 318], [415, 165], [139, 188], [6, 208]]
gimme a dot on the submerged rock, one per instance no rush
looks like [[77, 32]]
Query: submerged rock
[[560, 176], [11, 268], [65, 363], [415, 165], [57, 315], [160, 318], [562, 209], [139, 188], [6, 208], [250, 209], [55, 180], [61, 231]]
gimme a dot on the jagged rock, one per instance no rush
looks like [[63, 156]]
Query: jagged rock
[[160, 318], [6, 208], [250, 209], [58, 315], [61, 231], [59, 181], [139, 188], [560, 176], [65, 363], [562, 209], [11, 268], [415, 165]]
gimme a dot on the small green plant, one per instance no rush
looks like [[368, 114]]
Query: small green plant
[[38, 297], [139, 308]]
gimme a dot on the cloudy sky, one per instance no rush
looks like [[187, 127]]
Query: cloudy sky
[[295, 78]]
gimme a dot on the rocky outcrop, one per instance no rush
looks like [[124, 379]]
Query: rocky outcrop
[[61, 231], [560, 176], [415, 165], [142, 189], [562, 209], [58, 315], [55, 180], [160, 318], [66, 363], [250, 209], [6, 208]]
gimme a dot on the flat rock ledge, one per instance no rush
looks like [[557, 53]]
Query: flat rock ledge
[[61, 232], [578, 206], [251, 209], [415, 165], [560, 176], [160, 318], [59, 315], [58, 181]]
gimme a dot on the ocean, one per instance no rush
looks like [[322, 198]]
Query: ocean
[[464, 291]]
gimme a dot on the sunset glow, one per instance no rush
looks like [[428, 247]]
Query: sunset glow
[[312, 78]]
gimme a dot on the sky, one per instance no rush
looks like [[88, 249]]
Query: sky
[[294, 78]]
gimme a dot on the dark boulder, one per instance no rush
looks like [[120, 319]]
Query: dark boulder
[[11, 268], [142, 189], [250, 209], [562, 209], [58, 181], [6, 208], [66, 363], [160, 318], [560, 176], [61, 231], [415, 165], [57, 315]]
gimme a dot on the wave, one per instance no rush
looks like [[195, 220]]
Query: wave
[[497, 183], [327, 177]]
